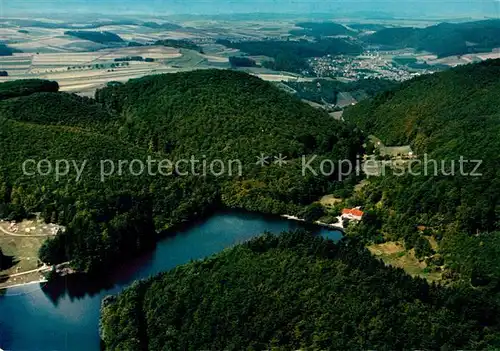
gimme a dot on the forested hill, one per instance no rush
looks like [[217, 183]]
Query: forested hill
[[222, 113], [208, 115], [47, 108], [327, 91], [449, 116], [454, 111], [296, 291], [444, 39], [26, 87]]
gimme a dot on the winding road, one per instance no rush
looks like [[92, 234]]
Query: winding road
[[25, 235]]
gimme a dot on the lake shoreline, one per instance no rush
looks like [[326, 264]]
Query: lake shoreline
[[183, 226], [322, 224], [41, 281], [64, 313]]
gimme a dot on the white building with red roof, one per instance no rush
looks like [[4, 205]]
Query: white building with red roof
[[354, 214]]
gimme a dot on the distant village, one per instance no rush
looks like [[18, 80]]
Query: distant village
[[370, 64]]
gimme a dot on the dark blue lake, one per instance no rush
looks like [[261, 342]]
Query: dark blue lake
[[64, 315]]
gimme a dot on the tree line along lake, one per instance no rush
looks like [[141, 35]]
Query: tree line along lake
[[64, 315]]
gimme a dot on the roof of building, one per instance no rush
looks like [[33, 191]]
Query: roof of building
[[353, 212]]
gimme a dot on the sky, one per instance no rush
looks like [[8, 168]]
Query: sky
[[423, 8]]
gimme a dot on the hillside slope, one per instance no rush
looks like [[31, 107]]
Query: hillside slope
[[113, 211], [431, 111], [47, 108], [447, 118], [444, 39], [212, 112]]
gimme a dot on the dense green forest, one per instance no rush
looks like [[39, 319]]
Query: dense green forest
[[207, 115], [474, 258], [320, 29], [26, 87], [291, 55], [47, 108], [239, 61], [180, 44], [444, 39], [247, 113], [324, 90], [297, 291], [445, 117], [97, 37], [134, 58], [162, 26]]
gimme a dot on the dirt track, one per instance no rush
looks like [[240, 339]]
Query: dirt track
[[25, 235]]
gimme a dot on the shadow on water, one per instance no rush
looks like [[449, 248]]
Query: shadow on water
[[76, 286], [79, 285]]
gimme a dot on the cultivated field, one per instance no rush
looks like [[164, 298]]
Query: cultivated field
[[82, 66], [84, 72], [453, 61]]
